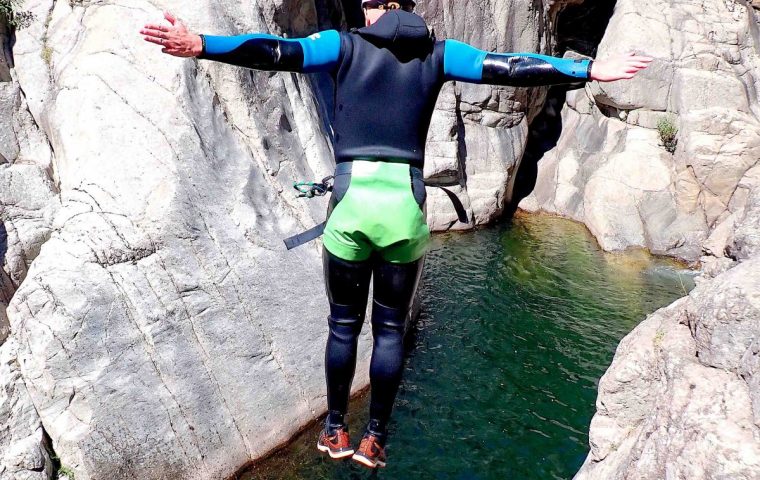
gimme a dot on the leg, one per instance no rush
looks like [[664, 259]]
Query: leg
[[394, 289], [347, 288]]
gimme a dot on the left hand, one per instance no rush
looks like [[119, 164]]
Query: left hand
[[621, 67], [176, 39]]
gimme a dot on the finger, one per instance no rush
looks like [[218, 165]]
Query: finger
[[154, 33], [157, 41], [170, 17], [638, 64], [641, 58], [154, 26]]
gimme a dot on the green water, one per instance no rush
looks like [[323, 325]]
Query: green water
[[518, 324]]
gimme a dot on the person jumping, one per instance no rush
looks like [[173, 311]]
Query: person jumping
[[387, 79]]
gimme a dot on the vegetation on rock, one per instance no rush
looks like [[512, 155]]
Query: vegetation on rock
[[667, 129], [10, 13], [65, 473]]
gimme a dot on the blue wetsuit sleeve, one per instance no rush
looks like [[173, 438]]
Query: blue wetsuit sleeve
[[466, 63], [316, 53]]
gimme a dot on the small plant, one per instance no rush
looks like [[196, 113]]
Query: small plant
[[667, 129], [658, 338], [47, 51], [47, 54], [15, 18], [65, 473]]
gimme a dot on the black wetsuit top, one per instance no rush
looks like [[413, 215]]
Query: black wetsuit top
[[388, 76]]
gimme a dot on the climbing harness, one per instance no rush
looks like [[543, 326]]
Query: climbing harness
[[319, 189], [310, 190]]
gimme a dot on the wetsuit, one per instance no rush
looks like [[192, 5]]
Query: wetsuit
[[387, 78]]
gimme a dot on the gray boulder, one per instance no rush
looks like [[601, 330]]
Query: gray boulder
[[681, 398]]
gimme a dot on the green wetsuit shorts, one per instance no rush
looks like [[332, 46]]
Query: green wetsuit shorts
[[377, 206]]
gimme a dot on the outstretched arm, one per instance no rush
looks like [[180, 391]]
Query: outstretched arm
[[466, 63], [319, 52]]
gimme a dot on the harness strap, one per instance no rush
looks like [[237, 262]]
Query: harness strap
[[317, 230], [458, 207], [304, 237]]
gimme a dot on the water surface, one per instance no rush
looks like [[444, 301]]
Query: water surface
[[518, 324]]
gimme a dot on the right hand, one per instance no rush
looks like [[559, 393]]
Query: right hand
[[620, 67], [176, 39]]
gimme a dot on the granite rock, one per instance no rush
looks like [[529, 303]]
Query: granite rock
[[610, 169], [681, 398]]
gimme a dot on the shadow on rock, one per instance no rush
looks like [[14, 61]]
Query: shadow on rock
[[542, 137], [3, 242]]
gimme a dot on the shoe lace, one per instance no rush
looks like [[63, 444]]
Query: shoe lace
[[370, 446]]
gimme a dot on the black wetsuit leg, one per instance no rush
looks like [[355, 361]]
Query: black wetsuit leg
[[347, 289], [347, 286], [394, 289]]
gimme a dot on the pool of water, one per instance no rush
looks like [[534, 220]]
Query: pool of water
[[518, 323]]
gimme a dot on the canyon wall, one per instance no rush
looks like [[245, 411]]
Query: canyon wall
[[680, 400], [152, 323]]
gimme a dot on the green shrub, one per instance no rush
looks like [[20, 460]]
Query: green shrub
[[667, 129], [10, 13], [65, 473]]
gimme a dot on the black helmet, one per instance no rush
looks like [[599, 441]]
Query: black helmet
[[392, 4]]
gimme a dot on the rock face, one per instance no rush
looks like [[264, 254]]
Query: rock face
[[681, 400], [25, 451], [158, 328], [609, 169], [478, 134], [27, 204], [156, 325]]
